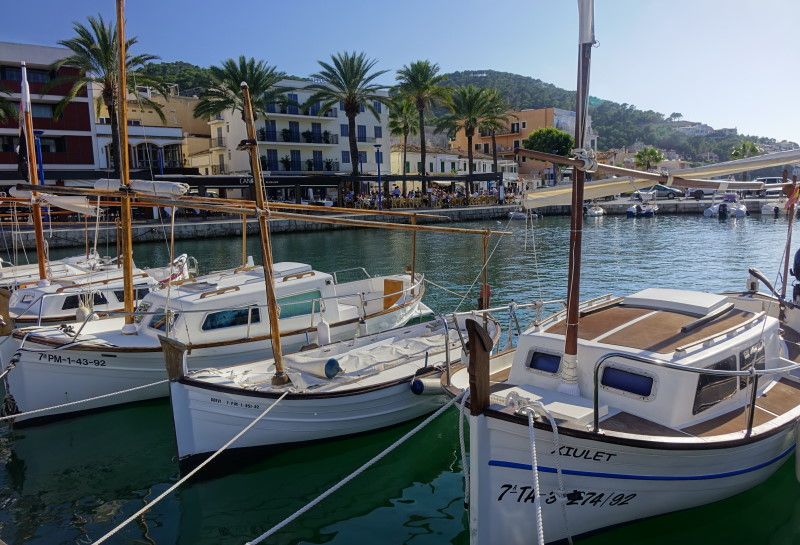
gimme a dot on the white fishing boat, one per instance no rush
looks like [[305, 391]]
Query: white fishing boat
[[339, 389], [623, 408], [772, 209], [641, 210], [12, 276], [729, 207], [72, 298], [218, 316]]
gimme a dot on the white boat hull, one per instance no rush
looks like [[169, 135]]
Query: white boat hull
[[46, 377], [205, 419], [606, 483]]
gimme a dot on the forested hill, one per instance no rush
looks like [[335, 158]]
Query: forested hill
[[617, 124]]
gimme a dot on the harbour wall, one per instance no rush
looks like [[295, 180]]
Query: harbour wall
[[65, 237]]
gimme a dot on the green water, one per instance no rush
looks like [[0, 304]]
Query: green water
[[72, 481]]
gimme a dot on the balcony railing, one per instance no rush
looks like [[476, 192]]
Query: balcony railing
[[297, 110], [322, 138], [307, 165], [369, 139], [218, 142], [217, 117], [218, 169], [267, 135]]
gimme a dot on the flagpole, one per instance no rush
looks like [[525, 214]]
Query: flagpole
[[33, 173], [124, 172]]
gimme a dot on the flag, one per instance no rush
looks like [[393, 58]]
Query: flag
[[23, 165], [793, 197], [586, 21]]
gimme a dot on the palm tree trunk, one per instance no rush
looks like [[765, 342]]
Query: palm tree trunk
[[114, 155], [421, 111], [405, 152], [494, 151], [469, 166], [351, 122]]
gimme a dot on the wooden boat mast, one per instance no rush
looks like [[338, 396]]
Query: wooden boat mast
[[569, 366], [251, 144], [33, 176], [124, 170]]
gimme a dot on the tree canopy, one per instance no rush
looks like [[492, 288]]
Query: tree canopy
[[648, 158], [550, 140]]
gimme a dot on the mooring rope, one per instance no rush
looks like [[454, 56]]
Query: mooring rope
[[191, 474], [463, 446], [78, 402], [537, 501], [354, 474]]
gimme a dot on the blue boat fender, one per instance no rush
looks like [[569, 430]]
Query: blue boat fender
[[332, 368]]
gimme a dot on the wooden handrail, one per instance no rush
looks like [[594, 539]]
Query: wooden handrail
[[218, 292], [298, 275]]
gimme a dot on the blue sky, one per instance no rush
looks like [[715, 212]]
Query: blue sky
[[731, 63]]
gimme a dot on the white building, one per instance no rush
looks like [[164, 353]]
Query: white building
[[448, 162], [298, 139]]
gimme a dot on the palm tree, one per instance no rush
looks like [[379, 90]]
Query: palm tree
[[466, 108], [348, 79], [745, 149], [497, 118], [648, 158], [403, 121], [8, 110], [94, 52], [421, 82], [225, 92]]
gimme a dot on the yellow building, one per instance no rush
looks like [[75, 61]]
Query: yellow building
[[157, 144]]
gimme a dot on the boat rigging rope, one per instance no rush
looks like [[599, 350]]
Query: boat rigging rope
[[192, 473], [463, 446], [537, 501], [355, 473], [78, 402], [441, 287]]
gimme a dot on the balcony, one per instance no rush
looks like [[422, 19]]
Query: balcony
[[292, 137], [366, 139], [292, 110], [218, 169], [286, 164], [217, 142], [216, 118]]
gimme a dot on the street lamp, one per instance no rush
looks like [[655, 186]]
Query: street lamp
[[378, 159]]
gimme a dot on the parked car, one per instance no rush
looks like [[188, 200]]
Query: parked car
[[772, 186], [664, 192]]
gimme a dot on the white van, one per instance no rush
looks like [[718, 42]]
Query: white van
[[772, 186]]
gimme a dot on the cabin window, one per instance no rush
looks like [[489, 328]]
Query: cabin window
[[627, 381], [230, 318], [159, 319], [138, 293], [70, 303], [299, 304], [549, 363], [748, 357], [99, 298], [711, 389]]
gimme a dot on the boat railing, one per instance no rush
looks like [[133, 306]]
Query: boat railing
[[351, 269], [752, 372]]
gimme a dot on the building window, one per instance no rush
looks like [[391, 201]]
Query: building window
[[10, 73], [362, 157], [524, 159], [430, 167], [295, 157], [441, 166], [378, 131], [477, 147], [361, 108], [486, 148], [341, 105], [377, 105], [407, 167], [292, 107], [344, 130], [54, 145], [42, 110], [524, 124], [516, 144], [515, 127], [362, 133], [452, 166], [345, 156]]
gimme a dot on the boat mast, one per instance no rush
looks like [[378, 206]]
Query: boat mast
[[279, 378], [124, 172], [569, 366], [33, 174]]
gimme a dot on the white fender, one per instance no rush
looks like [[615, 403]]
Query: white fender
[[323, 333], [427, 386]]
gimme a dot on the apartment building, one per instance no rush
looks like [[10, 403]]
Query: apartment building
[[296, 138], [523, 123], [156, 145], [68, 143], [447, 162]]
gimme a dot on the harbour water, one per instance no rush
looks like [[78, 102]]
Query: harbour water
[[72, 481]]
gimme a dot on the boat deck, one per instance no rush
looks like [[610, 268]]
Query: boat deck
[[648, 329], [782, 397]]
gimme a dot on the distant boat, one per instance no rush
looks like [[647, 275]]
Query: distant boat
[[729, 207], [641, 210], [595, 211]]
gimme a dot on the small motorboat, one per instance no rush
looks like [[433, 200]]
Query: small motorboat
[[771, 209], [521, 214], [730, 207], [641, 210], [595, 211]]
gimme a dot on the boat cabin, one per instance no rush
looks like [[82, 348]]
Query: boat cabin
[[632, 349]]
